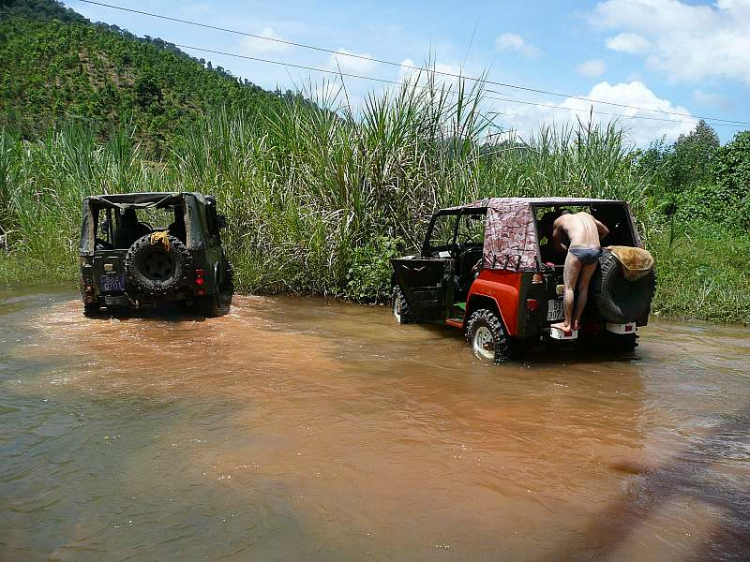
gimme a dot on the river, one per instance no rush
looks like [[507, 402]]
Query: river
[[305, 429]]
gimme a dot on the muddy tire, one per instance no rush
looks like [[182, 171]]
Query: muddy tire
[[621, 343], [400, 308], [154, 270], [617, 299], [487, 337], [91, 311], [220, 303]]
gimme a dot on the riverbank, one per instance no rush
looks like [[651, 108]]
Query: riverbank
[[702, 275]]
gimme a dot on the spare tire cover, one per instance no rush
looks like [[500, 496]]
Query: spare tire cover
[[617, 299], [153, 269]]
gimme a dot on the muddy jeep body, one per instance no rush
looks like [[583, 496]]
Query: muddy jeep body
[[164, 265], [495, 264]]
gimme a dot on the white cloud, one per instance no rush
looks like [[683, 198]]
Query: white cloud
[[688, 41], [628, 43], [527, 118], [351, 64], [514, 42], [713, 100], [591, 68], [257, 46]]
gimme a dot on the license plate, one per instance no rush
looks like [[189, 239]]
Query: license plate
[[113, 283], [555, 310]]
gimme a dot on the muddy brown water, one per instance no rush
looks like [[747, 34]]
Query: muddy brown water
[[300, 429]]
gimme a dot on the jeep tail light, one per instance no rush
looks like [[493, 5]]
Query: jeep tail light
[[532, 304], [199, 277], [537, 279]]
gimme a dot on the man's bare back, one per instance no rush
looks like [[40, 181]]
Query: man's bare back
[[584, 234], [582, 230]]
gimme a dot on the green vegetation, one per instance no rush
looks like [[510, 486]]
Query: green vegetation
[[318, 201], [55, 65]]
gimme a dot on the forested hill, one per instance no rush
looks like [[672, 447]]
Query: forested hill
[[55, 65]]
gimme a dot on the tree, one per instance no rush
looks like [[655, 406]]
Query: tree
[[733, 173], [692, 158]]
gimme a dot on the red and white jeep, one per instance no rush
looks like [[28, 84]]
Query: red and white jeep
[[489, 269]]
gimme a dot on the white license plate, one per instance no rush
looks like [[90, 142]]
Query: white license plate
[[555, 310]]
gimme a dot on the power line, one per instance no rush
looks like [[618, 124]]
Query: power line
[[413, 67], [387, 81]]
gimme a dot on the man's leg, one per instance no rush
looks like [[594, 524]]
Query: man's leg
[[570, 277], [583, 292]]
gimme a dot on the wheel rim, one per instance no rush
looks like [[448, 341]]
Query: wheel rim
[[484, 343], [158, 266]]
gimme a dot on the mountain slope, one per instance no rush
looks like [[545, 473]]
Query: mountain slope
[[56, 65]]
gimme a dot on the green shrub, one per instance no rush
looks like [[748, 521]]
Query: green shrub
[[371, 271]]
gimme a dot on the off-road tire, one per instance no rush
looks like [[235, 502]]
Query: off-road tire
[[621, 343], [91, 310], [137, 279], [617, 299], [400, 308], [487, 323], [220, 303]]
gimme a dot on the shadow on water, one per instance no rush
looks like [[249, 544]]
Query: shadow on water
[[700, 476]]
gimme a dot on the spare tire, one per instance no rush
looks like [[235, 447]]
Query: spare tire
[[157, 269], [617, 299]]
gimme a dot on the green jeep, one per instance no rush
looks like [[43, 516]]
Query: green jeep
[[129, 260]]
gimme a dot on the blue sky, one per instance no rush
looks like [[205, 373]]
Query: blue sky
[[668, 55]]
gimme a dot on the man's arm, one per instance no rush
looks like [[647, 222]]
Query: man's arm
[[603, 230]]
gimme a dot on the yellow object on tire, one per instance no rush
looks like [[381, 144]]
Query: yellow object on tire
[[160, 236]]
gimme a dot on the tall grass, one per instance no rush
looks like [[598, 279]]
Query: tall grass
[[317, 199]]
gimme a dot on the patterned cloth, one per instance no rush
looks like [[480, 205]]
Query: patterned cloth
[[510, 236]]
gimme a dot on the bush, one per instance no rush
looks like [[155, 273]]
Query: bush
[[371, 271]]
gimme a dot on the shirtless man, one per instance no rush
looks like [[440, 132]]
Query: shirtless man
[[584, 233]]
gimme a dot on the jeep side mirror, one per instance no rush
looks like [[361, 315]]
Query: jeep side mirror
[[221, 221]]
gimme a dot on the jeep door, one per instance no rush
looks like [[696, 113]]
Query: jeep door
[[426, 283], [427, 280]]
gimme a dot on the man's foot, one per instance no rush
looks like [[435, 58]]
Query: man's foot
[[561, 326], [577, 325]]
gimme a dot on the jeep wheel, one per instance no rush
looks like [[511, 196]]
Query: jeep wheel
[[400, 308], [487, 337], [91, 311], [220, 303], [157, 270], [621, 343], [617, 299]]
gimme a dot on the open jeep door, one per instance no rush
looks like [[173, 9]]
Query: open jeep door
[[427, 284], [427, 280]]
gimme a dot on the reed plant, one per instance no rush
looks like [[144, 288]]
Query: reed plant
[[319, 195]]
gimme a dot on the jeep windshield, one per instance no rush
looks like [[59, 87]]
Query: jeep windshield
[[452, 230]]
